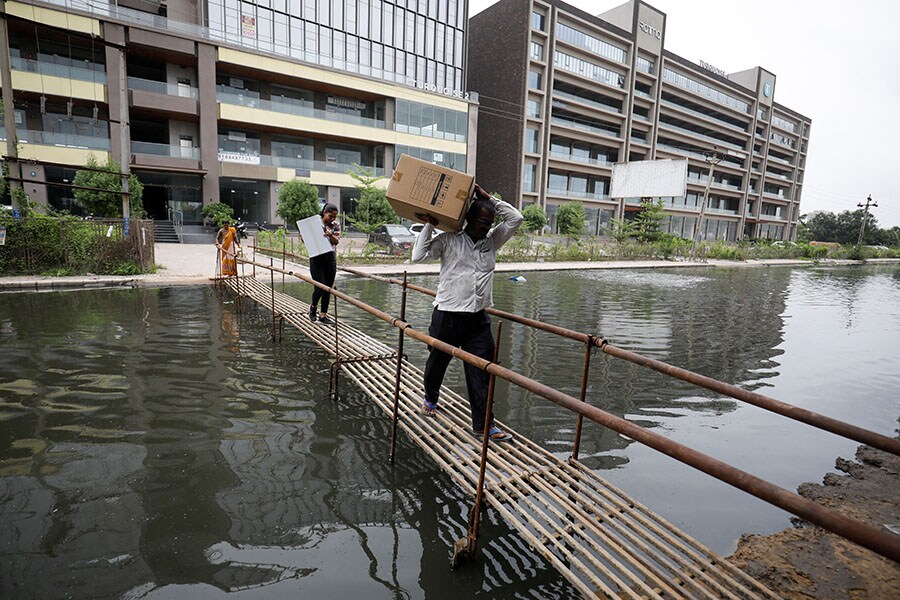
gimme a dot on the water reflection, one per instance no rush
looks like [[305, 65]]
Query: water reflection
[[155, 443]]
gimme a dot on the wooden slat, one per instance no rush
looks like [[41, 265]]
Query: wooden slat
[[601, 540]]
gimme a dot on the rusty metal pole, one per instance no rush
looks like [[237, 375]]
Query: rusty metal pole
[[336, 365], [471, 540], [396, 414], [584, 379], [272, 282], [283, 258]]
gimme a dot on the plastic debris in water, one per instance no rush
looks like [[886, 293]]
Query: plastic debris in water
[[518, 279]]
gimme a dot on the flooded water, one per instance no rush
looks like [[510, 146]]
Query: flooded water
[[154, 444]]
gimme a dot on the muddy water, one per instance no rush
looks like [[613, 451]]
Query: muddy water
[[156, 444]]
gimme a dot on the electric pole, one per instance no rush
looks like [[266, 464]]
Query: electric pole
[[713, 158], [862, 228]]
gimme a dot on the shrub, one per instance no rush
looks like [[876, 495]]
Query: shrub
[[535, 218], [297, 200], [218, 212], [570, 218]]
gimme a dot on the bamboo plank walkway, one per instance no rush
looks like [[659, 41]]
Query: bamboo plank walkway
[[602, 541]]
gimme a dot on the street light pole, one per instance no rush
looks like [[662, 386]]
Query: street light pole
[[862, 228], [713, 159]]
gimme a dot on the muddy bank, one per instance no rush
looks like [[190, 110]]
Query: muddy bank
[[808, 562]]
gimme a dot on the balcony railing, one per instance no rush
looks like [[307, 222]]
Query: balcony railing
[[165, 150], [589, 102], [161, 87], [297, 109], [704, 116], [710, 138], [293, 163], [80, 70], [574, 194], [584, 127], [601, 162], [62, 140]]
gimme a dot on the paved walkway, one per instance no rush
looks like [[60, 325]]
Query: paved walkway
[[186, 264]]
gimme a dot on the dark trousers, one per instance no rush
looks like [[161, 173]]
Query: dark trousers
[[470, 332], [323, 268]]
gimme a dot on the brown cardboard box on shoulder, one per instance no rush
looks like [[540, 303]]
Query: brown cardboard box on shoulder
[[422, 187]]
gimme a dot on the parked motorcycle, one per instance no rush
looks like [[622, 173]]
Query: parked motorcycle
[[241, 229]]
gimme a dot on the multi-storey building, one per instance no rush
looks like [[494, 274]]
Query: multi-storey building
[[223, 100], [580, 92]]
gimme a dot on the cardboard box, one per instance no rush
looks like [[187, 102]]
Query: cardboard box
[[422, 187]]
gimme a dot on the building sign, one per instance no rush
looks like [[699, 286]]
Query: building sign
[[238, 157], [430, 87], [651, 31], [343, 102], [767, 89], [714, 69], [248, 26]]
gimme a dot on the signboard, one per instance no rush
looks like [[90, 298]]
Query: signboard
[[238, 157], [313, 236], [248, 26], [649, 179]]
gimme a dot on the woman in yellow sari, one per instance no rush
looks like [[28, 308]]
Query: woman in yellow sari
[[229, 246]]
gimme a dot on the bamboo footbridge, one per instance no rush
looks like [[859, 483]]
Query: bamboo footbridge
[[603, 542]]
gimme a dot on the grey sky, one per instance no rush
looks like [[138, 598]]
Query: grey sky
[[836, 62]]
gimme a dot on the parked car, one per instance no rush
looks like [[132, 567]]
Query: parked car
[[396, 238], [416, 228]]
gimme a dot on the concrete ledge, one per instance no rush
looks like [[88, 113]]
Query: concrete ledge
[[16, 284]]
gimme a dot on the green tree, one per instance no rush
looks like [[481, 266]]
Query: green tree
[[297, 200], [570, 218], [109, 177], [373, 209], [622, 229], [218, 212], [534, 216], [648, 222]]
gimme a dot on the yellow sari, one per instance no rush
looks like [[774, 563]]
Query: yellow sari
[[227, 252]]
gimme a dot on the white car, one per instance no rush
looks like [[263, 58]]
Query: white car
[[416, 229]]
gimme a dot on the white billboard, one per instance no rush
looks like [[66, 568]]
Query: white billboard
[[649, 179]]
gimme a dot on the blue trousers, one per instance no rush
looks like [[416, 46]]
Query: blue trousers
[[470, 332]]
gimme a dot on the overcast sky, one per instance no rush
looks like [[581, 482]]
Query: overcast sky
[[837, 63]]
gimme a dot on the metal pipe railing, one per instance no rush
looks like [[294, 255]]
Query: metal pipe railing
[[841, 428], [881, 542]]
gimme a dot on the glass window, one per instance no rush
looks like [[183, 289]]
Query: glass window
[[533, 109], [537, 21], [528, 178], [531, 140], [537, 51], [534, 80], [589, 42], [558, 182]]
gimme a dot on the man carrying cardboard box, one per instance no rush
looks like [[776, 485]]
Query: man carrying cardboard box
[[465, 289]]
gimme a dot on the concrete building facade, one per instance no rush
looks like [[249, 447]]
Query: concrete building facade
[[202, 104], [565, 94]]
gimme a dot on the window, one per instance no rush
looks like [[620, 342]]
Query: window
[[595, 45], [528, 178], [537, 51], [569, 63], [534, 80], [537, 21], [531, 140], [533, 109]]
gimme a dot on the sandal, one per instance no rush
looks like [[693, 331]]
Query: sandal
[[495, 434], [429, 409]]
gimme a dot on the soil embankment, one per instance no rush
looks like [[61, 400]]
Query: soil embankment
[[809, 562]]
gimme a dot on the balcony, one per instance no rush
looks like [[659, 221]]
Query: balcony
[[300, 109], [588, 102], [166, 150], [62, 140], [716, 141], [57, 66], [580, 195], [287, 162], [584, 127], [600, 162], [703, 115], [161, 87]]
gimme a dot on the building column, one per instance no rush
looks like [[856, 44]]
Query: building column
[[9, 115], [209, 121]]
